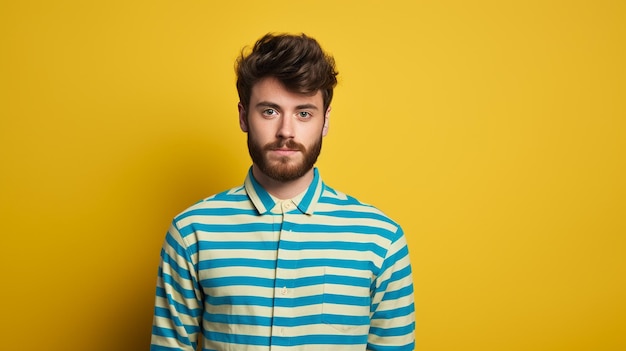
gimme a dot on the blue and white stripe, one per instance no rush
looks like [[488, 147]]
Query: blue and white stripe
[[249, 272]]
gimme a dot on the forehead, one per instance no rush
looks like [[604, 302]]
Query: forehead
[[270, 89]]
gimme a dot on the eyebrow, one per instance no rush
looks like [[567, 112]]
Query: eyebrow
[[276, 106]]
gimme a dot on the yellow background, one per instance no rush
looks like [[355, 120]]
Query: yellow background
[[493, 131]]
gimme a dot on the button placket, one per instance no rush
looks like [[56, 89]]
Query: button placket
[[281, 276], [283, 289]]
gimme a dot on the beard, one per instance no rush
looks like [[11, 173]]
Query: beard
[[283, 169]]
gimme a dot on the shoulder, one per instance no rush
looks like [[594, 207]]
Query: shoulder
[[219, 204], [336, 203]]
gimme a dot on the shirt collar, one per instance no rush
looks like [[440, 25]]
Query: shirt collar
[[264, 202]]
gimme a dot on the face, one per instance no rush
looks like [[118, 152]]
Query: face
[[285, 129]]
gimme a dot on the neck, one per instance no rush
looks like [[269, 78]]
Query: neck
[[283, 190]]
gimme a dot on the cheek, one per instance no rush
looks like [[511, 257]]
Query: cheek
[[312, 138], [259, 135]]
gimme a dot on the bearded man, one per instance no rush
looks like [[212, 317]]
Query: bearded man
[[284, 262]]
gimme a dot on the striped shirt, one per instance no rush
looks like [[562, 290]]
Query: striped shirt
[[242, 270]]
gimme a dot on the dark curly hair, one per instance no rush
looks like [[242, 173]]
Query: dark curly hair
[[297, 61]]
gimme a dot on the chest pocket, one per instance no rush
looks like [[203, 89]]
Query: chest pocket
[[346, 300]]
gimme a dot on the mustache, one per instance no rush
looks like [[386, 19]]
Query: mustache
[[285, 144]]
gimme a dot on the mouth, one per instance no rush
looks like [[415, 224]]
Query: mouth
[[283, 149], [285, 152]]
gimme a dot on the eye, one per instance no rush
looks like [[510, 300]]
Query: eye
[[269, 112], [304, 114]]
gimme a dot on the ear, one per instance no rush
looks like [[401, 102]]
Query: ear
[[243, 118], [326, 121]]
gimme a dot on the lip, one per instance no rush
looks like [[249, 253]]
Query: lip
[[284, 151]]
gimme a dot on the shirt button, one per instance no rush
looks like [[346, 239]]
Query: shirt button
[[282, 331], [283, 291]]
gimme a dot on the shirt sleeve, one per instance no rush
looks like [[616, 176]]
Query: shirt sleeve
[[392, 326], [178, 302]]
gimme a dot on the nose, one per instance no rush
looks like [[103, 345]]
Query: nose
[[286, 128]]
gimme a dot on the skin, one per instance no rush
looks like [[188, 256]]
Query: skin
[[285, 126]]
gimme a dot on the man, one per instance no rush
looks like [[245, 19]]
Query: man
[[284, 262]]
